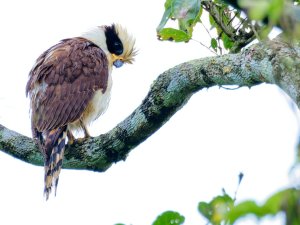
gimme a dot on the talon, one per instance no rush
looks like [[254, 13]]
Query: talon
[[85, 131], [71, 138], [81, 140], [70, 142]]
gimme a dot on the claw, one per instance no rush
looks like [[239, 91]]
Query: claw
[[81, 140], [71, 138], [85, 131]]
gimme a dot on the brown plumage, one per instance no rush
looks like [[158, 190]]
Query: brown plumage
[[69, 87]]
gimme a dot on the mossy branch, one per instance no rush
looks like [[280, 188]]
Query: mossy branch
[[275, 62]]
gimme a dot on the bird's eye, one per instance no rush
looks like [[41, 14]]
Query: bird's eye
[[118, 48]]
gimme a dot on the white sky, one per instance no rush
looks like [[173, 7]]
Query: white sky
[[201, 150]]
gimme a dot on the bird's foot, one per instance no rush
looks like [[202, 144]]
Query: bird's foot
[[81, 140], [71, 138]]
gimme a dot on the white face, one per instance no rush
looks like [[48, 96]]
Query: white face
[[120, 49]]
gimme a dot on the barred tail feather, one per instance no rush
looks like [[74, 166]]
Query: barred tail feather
[[54, 152]]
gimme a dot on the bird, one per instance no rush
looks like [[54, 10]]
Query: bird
[[69, 87]]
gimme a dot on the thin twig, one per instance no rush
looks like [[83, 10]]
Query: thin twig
[[204, 46], [206, 29]]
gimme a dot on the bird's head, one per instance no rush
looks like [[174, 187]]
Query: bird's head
[[115, 41], [120, 44]]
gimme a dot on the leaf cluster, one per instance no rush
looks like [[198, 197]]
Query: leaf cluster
[[222, 210], [233, 24], [232, 30]]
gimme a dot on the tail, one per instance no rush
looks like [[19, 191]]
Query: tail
[[54, 146]]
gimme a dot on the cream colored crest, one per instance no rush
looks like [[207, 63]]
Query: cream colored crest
[[128, 42], [97, 36]]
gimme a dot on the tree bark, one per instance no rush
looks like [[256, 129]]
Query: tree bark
[[274, 62]]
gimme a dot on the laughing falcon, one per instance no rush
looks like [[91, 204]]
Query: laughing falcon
[[69, 87]]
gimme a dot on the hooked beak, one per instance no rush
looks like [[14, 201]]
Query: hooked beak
[[117, 61]]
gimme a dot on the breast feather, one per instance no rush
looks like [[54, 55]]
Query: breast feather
[[98, 104]]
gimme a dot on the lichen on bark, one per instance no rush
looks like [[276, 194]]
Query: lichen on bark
[[273, 61]]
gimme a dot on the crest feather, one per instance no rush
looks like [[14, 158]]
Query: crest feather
[[128, 42]]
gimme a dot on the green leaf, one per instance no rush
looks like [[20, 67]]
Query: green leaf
[[257, 9], [243, 209], [168, 3], [212, 21], [172, 34], [261, 9], [275, 10], [273, 203], [226, 41], [164, 19], [187, 12], [214, 43], [214, 24], [217, 209], [205, 210], [169, 218], [286, 201], [221, 206], [264, 32]]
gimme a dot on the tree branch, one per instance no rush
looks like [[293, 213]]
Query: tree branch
[[274, 62], [240, 36], [289, 20]]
